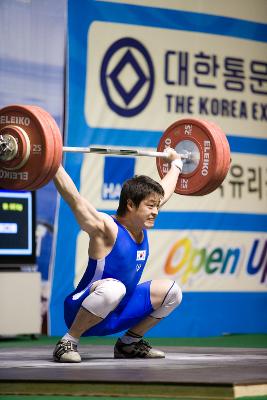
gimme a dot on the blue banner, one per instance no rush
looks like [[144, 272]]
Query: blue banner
[[132, 71]]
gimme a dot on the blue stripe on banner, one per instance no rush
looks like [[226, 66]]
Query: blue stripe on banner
[[212, 221], [183, 20], [248, 145], [119, 137], [209, 221]]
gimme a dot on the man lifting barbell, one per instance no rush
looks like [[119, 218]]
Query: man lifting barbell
[[109, 299]]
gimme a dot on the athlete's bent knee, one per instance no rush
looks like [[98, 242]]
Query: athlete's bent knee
[[172, 300], [107, 294]]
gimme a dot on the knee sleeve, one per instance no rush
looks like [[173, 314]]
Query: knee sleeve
[[106, 296], [172, 300]]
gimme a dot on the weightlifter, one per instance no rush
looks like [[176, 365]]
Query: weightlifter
[[109, 298]]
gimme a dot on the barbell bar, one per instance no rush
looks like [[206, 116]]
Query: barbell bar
[[9, 150], [119, 152], [31, 151]]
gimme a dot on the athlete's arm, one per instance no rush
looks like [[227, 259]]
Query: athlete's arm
[[170, 179], [89, 219]]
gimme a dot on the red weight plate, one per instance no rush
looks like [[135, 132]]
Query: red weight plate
[[40, 159], [57, 154], [24, 147], [206, 144], [226, 146], [225, 164], [222, 164], [58, 141], [218, 165], [44, 178]]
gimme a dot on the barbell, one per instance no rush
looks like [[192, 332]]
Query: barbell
[[31, 151]]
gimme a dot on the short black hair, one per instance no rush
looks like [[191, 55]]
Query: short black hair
[[137, 189]]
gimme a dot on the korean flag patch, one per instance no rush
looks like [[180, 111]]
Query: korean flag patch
[[141, 255]]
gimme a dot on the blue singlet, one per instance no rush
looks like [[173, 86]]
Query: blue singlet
[[126, 263]]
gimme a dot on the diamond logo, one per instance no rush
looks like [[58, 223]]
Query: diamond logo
[[127, 77]]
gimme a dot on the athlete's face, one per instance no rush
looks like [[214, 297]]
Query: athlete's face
[[147, 210]]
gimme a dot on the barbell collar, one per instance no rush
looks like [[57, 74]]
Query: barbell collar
[[8, 147]]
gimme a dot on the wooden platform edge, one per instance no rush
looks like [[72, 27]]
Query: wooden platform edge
[[145, 390], [258, 390]]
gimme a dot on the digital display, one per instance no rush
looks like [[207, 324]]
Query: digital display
[[17, 224]]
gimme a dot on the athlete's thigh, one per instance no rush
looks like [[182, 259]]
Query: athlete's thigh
[[74, 301], [137, 307]]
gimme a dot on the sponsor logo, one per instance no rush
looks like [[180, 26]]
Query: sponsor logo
[[22, 176], [12, 119], [159, 75], [127, 77], [116, 171], [189, 261], [138, 266], [205, 165]]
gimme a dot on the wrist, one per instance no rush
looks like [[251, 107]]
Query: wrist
[[178, 163]]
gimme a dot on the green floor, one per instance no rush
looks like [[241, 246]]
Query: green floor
[[253, 341], [34, 397], [77, 398]]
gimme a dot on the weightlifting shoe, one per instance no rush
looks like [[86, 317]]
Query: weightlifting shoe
[[66, 352], [141, 349]]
